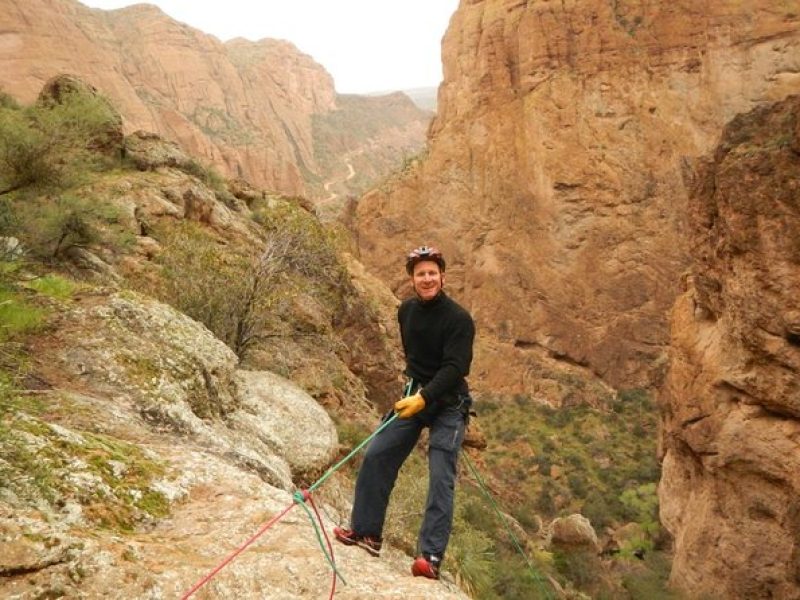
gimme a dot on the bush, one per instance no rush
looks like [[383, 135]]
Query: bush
[[17, 316], [24, 155], [650, 583], [54, 286], [211, 178], [310, 248], [471, 556], [581, 567], [197, 279], [350, 433], [47, 145], [49, 226], [246, 295], [8, 101], [641, 505], [515, 580]]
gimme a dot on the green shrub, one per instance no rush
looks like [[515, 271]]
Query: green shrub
[[198, 279], [471, 557], [49, 226], [24, 157], [350, 434], [650, 581], [8, 101], [49, 145], [209, 175], [17, 316], [54, 286], [308, 247], [246, 295], [581, 567], [515, 580], [641, 505]]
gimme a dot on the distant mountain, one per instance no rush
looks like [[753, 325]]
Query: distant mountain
[[423, 97]]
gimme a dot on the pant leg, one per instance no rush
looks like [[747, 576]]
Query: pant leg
[[446, 436], [382, 461]]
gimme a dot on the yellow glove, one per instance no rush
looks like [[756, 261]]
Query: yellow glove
[[408, 407]]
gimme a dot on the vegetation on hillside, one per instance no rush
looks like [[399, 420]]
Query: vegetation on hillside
[[51, 144], [42, 463], [548, 463]]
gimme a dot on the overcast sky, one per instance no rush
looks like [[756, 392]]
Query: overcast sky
[[366, 45]]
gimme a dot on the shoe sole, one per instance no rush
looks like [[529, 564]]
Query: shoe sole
[[369, 549], [351, 542]]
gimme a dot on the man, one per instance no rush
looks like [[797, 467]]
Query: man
[[437, 336]]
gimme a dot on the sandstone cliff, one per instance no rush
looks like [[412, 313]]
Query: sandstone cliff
[[246, 107], [553, 179], [731, 407]]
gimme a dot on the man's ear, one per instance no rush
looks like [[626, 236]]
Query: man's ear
[[442, 280]]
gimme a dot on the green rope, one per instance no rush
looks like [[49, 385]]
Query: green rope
[[335, 467], [299, 499], [536, 576]]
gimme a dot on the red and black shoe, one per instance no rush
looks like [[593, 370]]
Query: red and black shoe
[[426, 566], [348, 537]]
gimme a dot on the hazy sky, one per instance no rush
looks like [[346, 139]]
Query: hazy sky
[[366, 45]]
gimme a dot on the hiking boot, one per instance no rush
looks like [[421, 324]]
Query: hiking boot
[[426, 567], [348, 537]]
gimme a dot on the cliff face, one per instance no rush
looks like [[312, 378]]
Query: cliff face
[[553, 180], [247, 107], [731, 427]]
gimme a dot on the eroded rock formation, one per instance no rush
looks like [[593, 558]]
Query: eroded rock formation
[[246, 107], [553, 180], [731, 407]]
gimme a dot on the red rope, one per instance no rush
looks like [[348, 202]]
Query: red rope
[[327, 541], [237, 552]]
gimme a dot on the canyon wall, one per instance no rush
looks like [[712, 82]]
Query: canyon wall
[[731, 407], [554, 178]]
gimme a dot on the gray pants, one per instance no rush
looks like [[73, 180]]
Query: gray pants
[[385, 455]]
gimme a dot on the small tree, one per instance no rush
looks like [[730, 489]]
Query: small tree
[[259, 291]]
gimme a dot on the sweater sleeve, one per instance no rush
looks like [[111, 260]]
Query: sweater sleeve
[[456, 359]]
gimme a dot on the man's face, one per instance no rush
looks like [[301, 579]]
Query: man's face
[[427, 279]]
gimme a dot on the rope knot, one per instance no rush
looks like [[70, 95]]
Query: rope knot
[[300, 496]]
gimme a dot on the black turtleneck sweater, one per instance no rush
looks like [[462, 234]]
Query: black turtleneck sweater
[[437, 339]]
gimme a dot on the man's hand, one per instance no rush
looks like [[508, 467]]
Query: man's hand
[[408, 407]]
